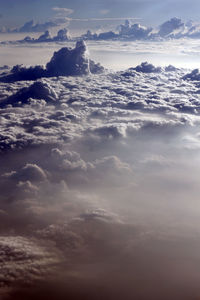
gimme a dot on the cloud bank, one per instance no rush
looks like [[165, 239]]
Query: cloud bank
[[174, 28], [96, 173]]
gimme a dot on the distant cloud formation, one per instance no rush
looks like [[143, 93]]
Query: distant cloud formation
[[62, 15], [30, 26], [168, 27], [38, 90], [194, 75], [63, 10], [62, 36], [172, 29], [60, 18], [67, 62], [147, 68]]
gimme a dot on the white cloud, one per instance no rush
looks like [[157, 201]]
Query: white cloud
[[104, 11], [62, 11]]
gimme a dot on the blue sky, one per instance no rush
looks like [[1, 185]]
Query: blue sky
[[151, 12]]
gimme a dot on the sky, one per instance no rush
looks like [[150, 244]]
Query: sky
[[15, 13]]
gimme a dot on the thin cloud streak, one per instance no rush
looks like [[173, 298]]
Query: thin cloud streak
[[103, 19]]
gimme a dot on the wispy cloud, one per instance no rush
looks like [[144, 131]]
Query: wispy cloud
[[102, 19], [62, 11], [104, 11]]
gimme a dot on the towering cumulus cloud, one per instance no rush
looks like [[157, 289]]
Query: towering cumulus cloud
[[65, 62], [69, 62]]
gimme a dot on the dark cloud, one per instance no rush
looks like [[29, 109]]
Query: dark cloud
[[62, 35], [45, 37], [19, 72], [38, 90], [147, 68], [168, 27], [65, 62], [194, 75]]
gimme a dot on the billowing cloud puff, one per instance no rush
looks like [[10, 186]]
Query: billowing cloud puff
[[194, 75], [68, 161], [67, 62], [106, 35], [145, 67], [19, 72], [134, 32], [30, 172], [44, 37], [38, 90], [62, 35], [170, 26], [68, 166], [174, 28], [22, 182]]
